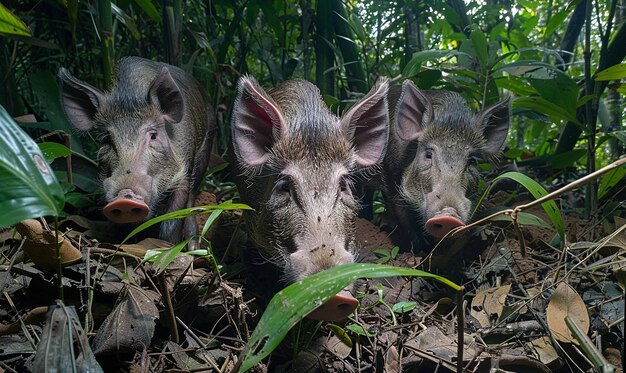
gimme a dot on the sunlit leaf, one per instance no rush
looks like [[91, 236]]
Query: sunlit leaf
[[10, 24], [614, 72], [297, 300], [480, 46]]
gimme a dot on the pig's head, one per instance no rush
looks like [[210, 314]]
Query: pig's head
[[298, 160], [137, 161], [447, 139]]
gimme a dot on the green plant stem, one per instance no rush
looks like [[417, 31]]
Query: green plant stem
[[325, 57], [588, 347], [344, 37], [105, 21]]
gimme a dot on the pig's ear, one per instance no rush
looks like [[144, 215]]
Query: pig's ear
[[495, 121], [413, 111], [80, 100], [165, 94], [256, 121], [367, 125]]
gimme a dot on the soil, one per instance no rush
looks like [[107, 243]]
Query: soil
[[189, 316]]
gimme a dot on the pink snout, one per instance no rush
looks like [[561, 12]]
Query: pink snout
[[439, 226], [126, 208], [336, 308]]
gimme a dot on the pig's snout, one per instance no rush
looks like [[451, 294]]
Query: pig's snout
[[126, 208], [336, 308], [443, 222]]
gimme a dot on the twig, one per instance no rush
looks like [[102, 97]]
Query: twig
[[550, 196]]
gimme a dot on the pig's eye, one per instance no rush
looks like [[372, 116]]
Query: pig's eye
[[344, 185], [153, 135], [283, 185], [428, 154]]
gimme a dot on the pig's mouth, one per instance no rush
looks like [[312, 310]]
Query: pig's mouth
[[443, 222], [337, 308], [126, 208]]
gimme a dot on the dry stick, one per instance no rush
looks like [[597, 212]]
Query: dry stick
[[550, 196], [167, 301], [460, 330]]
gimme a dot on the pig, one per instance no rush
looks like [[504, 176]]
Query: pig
[[295, 164], [429, 171], [155, 128]]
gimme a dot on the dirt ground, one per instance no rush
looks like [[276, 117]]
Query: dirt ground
[[520, 284]]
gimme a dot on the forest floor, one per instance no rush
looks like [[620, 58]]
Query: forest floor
[[189, 318]]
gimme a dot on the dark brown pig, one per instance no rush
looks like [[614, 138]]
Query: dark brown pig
[[155, 127], [429, 168], [296, 161]]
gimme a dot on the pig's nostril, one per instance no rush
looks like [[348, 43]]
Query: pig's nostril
[[345, 307], [116, 212], [136, 211]]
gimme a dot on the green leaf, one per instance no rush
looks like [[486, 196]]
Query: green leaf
[[150, 10], [10, 24], [403, 307], [54, 150], [28, 187], [615, 72], [163, 257], [480, 46], [538, 191], [297, 300], [183, 213], [358, 329], [551, 83], [541, 105], [610, 180], [555, 22], [567, 159], [210, 220], [341, 334]]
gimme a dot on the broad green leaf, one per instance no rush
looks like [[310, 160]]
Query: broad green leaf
[[541, 105], [150, 10], [566, 159], [551, 83], [28, 187], [357, 26], [297, 300], [358, 330], [609, 180], [10, 24], [183, 213], [341, 334], [538, 191], [615, 72], [480, 46], [403, 307], [555, 22], [54, 150], [47, 90]]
